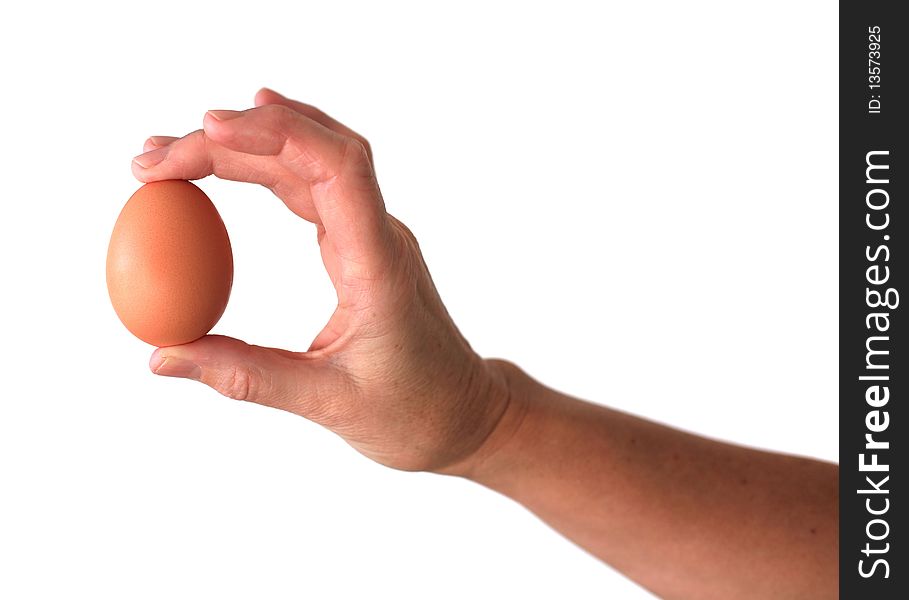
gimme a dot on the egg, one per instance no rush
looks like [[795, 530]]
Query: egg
[[169, 264]]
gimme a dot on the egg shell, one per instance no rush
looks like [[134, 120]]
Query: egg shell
[[169, 264]]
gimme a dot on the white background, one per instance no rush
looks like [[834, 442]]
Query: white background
[[637, 204]]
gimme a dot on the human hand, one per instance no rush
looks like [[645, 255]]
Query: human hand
[[389, 372], [392, 375]]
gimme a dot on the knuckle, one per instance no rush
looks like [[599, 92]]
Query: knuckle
[[355, 148], [277, 114], [404, 231], [239, 383], [355, 157], [366, 145]]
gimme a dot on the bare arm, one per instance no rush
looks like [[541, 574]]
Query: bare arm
[[684, 516]]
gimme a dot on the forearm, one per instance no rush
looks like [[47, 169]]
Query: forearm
[[684, 516]]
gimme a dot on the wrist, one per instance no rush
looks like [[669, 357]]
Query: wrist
[[511, 388]]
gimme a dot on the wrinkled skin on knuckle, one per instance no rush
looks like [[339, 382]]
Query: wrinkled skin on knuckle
[[355, 162], [239, 382], [366, 146], [405, 236], [407, 266], [278, 116]]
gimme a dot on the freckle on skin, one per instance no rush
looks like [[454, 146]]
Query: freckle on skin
[[744, 481], [675, 456], [813, 531], [634, 441]]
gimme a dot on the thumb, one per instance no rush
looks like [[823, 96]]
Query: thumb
[[291, 381]]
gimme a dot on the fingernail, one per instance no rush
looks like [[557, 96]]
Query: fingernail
[[171, 366], [161, 140], [225, 115], [150, 159]]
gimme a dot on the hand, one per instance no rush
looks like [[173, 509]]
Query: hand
[[390, 372], [392, 375]]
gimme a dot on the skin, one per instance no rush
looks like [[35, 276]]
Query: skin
[[684, 516]]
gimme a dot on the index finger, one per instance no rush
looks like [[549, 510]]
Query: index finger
[[321, 175], [269, 96]]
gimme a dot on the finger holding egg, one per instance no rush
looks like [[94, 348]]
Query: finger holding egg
[[170, 265]]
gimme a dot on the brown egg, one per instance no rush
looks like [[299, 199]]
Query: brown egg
[[169, 264]]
